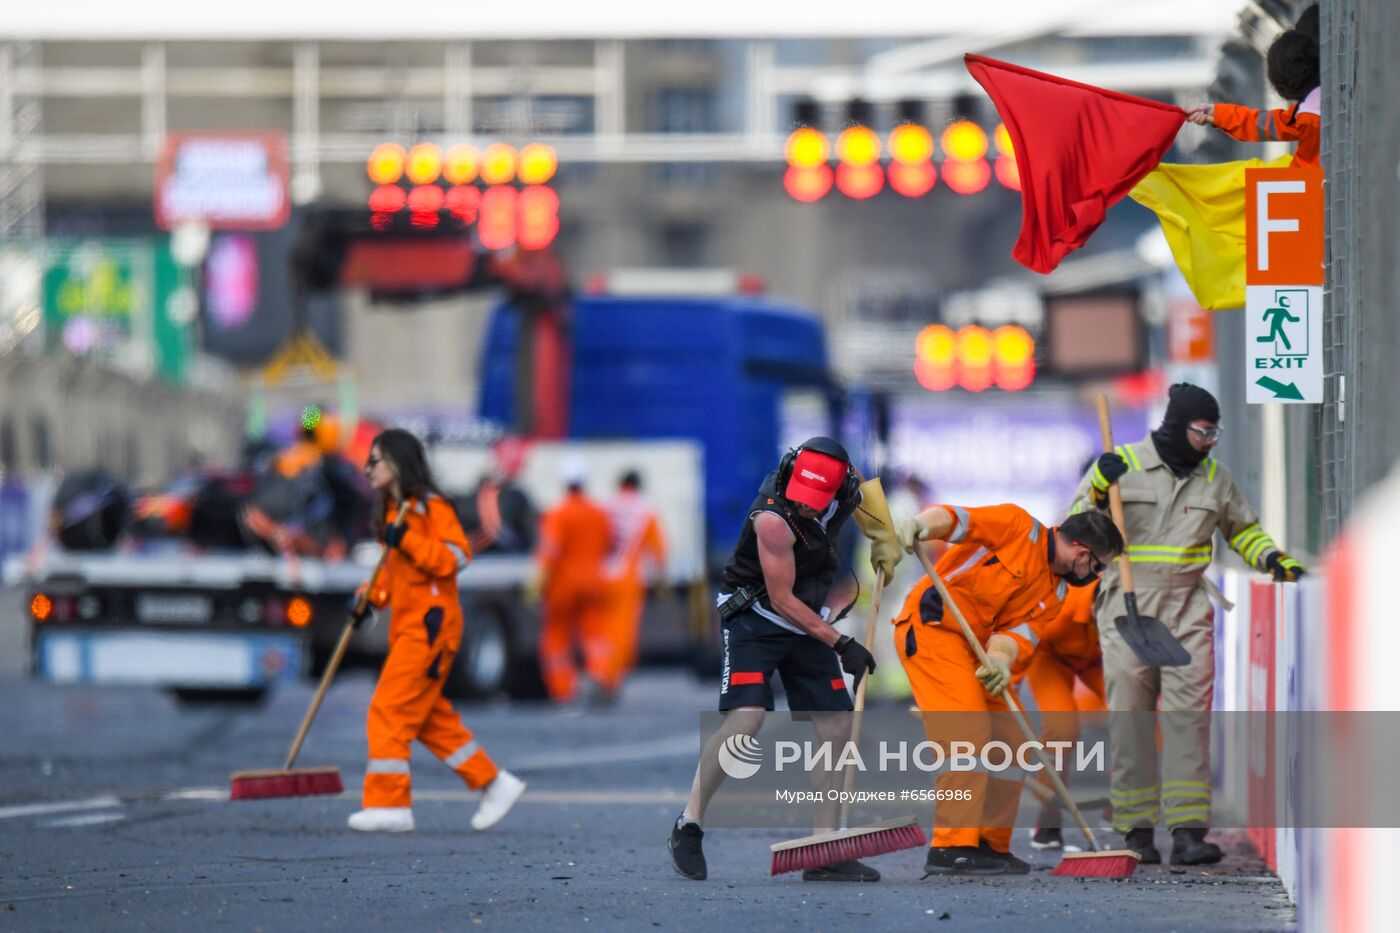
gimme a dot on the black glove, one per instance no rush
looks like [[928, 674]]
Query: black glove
[[1284, 568], [855, 660], [1109, 468], [393, 535], [361, 614]]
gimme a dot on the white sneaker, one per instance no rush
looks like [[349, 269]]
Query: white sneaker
[[383, 820], [500, 795]]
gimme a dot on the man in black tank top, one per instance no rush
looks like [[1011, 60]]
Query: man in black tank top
[[772, 602]]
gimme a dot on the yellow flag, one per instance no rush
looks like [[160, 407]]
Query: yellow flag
[[1201, 209]]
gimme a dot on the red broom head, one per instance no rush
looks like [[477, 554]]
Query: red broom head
[[260, 785], [1118, 864], [848, 845]]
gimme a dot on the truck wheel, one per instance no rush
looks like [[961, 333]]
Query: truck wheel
[[526, 682], [483, 662]]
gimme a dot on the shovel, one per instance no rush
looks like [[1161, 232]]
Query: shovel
[[1149, 638]]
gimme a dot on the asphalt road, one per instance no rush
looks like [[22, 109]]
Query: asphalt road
[[114, 816]]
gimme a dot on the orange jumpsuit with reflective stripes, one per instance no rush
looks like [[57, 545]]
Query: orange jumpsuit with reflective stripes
[[419, 585], [637, 541], [998, 570], [1067, 659], [575, 537]]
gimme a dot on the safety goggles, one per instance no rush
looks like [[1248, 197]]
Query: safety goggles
[[1095, 564], [1205, 434]]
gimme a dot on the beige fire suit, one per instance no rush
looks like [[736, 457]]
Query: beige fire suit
[[1170, 524]]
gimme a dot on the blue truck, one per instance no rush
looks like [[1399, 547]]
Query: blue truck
[[716, 370]]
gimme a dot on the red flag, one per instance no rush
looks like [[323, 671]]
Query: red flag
[[1080, 149]]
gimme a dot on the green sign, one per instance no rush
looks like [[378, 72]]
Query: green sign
[[106, 297]]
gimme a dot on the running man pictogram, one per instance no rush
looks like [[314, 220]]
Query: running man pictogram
[[1276, 317]]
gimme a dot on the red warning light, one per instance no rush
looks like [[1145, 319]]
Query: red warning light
[[967, 177], [913, 181], [974, 358], [463, 202], [935, 358], [807, 183], [424, 202], [539, 216], [426, 198], [387, 199], [860, 181], [1007, 173], [496, 223], [1013, 352]]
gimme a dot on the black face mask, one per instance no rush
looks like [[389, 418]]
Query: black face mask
[[1187, 403], [1074, 579]]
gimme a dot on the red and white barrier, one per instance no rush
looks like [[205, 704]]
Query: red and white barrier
[[1328, 644]]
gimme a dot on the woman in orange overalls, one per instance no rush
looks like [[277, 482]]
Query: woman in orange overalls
[[419, 585]]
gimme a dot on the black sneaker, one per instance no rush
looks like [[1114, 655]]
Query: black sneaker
[[961, 860], [686, 855], [1140, 841], [842, 871], [1048, 837], [1014, 866], [1189, 847]]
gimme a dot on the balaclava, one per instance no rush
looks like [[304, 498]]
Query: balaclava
[[1186, 403]]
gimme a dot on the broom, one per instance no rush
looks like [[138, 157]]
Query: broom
[[844, 844], [309, 782], [1096, 862]]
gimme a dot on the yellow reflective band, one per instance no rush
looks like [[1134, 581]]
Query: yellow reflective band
[[1244, 546], [1256, 550], [1124, 821], [1210, 473], [1195, 784], [1131, 458], [1152, 559], [1188, 808], [1249, 530], [1133, 796], [1165, 554]]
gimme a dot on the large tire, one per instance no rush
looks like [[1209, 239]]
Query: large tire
[[483, 663]]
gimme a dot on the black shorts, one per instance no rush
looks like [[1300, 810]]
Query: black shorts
[[754, 648]]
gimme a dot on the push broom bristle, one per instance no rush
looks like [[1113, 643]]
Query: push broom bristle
[[1112, 864], [304, 782], [847, 844]]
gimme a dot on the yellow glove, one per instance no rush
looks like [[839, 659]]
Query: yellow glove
[[885, 555], [909, 531], [996, 674]]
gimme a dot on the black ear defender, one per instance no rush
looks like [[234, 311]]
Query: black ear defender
[[831, 448]]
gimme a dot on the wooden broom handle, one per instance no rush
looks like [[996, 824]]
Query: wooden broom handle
[[340, 647], [1009, 696], [1115, 499], [860, 692]]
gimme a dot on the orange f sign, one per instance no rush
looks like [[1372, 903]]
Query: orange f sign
[[1283, 239]]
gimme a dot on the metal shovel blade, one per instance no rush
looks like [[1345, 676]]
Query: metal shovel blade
[[1149, 637]]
